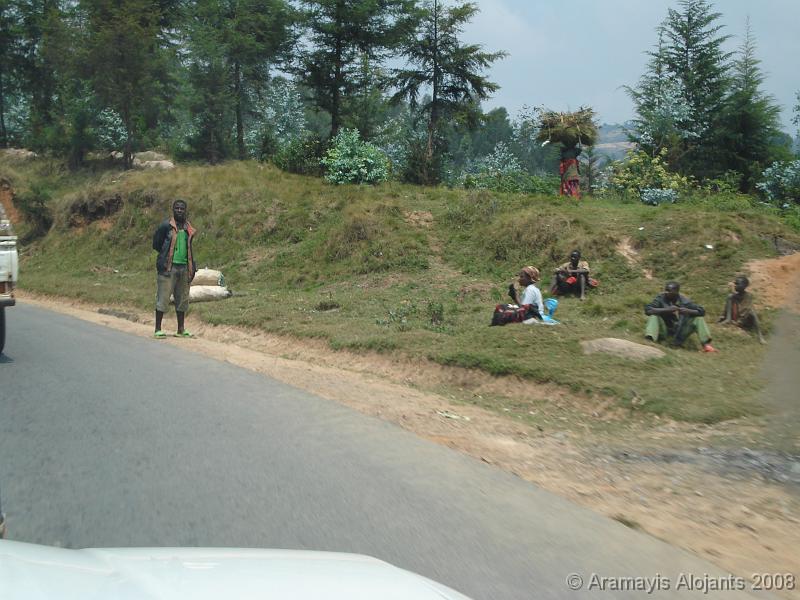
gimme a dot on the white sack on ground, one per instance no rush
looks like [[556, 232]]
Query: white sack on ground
[[208, 277], [206, 293]]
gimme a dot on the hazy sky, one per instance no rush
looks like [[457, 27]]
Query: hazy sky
[[564, 54]]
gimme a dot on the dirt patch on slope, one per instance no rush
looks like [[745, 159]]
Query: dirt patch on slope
[[774, 281], [652, 474], [626, 249], [419, 218], [7, 202]]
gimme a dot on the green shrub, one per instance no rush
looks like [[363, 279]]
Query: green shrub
[[781, 182], [350, 160], [500, 171], [33, 204], [301, 156], [641, 171]]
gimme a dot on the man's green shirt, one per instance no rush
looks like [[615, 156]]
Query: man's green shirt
[[181, 254]]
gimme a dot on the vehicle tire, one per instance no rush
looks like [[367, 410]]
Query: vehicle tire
[[2, 328]]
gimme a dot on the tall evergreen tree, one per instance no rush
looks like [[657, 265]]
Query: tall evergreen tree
[[439, 62], [74, 106], [10, 60], [680, 99], [127, 60], [796, 121], [663, 115], [342, 34], [694, 54], [243, 38], [750, 124], [38, 73], [367, 107]]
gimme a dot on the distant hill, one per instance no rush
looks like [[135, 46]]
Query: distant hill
[[612, 141]]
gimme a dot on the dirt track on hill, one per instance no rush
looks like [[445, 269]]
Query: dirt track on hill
[[7, 201], [699, 487]]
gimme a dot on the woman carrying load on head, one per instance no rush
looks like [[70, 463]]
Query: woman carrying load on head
[[570, 172]]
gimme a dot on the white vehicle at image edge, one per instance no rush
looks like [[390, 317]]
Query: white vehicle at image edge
[[34, 572], [9, 271]]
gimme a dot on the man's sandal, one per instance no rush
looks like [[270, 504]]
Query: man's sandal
[[159, 335], [185, 334]]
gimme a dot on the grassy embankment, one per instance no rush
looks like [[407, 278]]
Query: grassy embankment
[[417, 271]]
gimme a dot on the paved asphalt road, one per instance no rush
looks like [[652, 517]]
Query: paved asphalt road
[[108, 439]]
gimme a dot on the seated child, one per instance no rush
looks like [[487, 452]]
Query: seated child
[[739, 308]]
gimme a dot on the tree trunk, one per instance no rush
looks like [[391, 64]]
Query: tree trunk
[[127, 154], [213, 155], [336, 96], [3, 132], [433, 123], [237, 86]]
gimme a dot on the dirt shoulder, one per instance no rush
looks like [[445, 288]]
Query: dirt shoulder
[[716, 490]]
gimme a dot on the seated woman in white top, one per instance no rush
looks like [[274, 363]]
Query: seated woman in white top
[[528, 278]]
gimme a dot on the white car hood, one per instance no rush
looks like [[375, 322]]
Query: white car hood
[[33, 572]]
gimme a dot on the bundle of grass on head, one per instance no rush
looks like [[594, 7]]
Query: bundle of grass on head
[[567, 128]]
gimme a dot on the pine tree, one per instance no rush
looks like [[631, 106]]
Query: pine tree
[[796, 121], [750, 124], [236, 42], [127, 60], [367, 107], [441, 63], [693, 53], [10, 60], [37, 71], [680, 99], [663, 116], [342, 34]]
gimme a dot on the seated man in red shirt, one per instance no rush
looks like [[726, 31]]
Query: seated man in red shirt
[[572, 277]]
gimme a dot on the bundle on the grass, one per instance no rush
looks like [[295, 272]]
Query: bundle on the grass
[[207, 285], [568, 128], [208, 277], [207, 293]]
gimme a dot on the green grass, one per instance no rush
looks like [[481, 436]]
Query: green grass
[[292, 247]]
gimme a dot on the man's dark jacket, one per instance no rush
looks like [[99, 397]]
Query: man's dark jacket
[[670, 318], [164, 243]]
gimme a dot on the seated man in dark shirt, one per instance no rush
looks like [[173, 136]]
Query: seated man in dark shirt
[[739, 308], [675, 316]]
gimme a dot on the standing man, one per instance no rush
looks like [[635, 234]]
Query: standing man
[[175, 265], [673, 315], [739, 308]]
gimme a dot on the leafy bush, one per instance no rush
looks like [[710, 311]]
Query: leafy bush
[[111, 133], [656, 196], [781, 182], [397, 137], [33, 204], [501, 171], [728, 182], [278, 120], [350, 160], [301, 156], [641, 171], [521, 183], [420, 168]]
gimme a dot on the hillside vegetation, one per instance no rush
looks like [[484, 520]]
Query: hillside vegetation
[[417, 271]]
